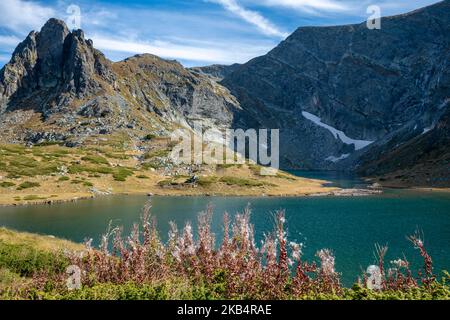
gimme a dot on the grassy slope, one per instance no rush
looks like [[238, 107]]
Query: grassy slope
[[23, 254], [54, 173]]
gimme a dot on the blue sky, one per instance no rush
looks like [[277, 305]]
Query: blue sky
[[194, 32]]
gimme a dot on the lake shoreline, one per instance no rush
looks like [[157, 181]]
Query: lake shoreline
[[328, 192], [335, 192]]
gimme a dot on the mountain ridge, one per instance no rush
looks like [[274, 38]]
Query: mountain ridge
[[386, 87], [371, 84]]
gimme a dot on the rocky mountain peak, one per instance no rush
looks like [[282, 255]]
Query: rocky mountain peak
[[50, 51], [59, 63]]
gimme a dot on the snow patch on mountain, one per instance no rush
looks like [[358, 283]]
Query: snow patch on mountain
[[338, 134], [337, 159]]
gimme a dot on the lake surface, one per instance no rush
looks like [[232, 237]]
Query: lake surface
[[348, 226]]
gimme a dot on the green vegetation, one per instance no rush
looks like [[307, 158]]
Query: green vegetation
[[161, 153], [207, 181], [242, 182], [63, 178], [141, 176], [191, 267], [33, 197], [149, 136], [210, 180], [77, 169], [7, 184], [28, 185], [95, 159], [168, 182], [121, 174]]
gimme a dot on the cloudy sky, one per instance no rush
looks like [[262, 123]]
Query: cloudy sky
[[194, 32]]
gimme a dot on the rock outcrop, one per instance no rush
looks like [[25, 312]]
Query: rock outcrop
[[58, 87], [372, 85]]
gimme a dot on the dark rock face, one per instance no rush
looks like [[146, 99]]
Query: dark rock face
[[50, 53], [370, 84], [422, 161], [51, 68], [217, 71]]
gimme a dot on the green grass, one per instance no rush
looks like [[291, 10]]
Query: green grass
[[121, 174], [33, 197], [95, 159], [77, 169], [162, 153], [25, 165], [242, 182], [12, 149], [25, 259], [28, 185], [167, 183], [63, 178], [141, 176], [7, 184], [119, 156], [207, 181]]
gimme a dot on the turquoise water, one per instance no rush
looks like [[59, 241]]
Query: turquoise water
[[336, 178], [348, 226]]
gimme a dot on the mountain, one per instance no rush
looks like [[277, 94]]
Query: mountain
[[420, 161], [343, 91], [344, 97], [58, 87], [217, 71]]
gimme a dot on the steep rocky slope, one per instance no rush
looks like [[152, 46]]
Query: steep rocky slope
[[371, 85], [421, 161]]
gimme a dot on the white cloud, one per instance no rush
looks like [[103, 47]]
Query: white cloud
[[4, 58], [23, 16], [205, 53], [9, 41], [252, 17], [307, 5]]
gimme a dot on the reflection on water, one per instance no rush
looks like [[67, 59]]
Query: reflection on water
[[336, 178]]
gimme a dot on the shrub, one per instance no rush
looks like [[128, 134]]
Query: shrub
[[77, 169], [25, 260], [95, 159], [191, 266], [33, 197], [28, 185], [242, 182], [121, 174], [206, 181], [7, 184]]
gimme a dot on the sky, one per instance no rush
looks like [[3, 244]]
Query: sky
[[194, 32]]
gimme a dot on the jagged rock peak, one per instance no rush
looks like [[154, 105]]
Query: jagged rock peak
[[55, 60]]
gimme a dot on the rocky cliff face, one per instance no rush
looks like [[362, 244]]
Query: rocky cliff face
[[51, 68], [372, 85]]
